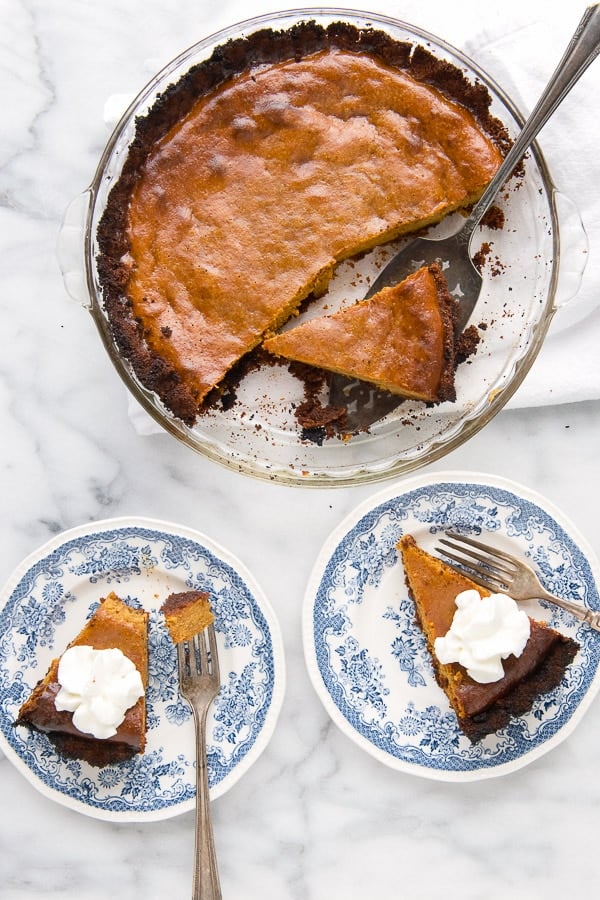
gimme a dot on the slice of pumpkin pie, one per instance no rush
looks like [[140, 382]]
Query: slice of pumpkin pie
[[401, 339], [481, 706], [91, 703]]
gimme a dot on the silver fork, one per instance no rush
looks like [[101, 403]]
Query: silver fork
[[199, 683], [502, 573]]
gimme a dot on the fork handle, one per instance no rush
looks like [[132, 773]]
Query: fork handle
[[205, 884], [582, 50], [588, 616]]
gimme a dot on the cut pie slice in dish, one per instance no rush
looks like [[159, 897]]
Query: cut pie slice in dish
[[481, 708], [400, 339]]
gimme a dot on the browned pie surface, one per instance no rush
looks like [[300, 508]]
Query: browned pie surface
[[480, 708], [243, 207], [114, 624], [401, 339], [434, 588]]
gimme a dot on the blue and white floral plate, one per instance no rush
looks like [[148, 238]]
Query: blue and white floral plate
[[45, 604], [367, 658]]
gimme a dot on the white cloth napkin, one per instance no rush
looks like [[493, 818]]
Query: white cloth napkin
[[519, 45], [521, 52]]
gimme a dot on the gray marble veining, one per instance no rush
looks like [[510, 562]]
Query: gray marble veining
[[315, 817]]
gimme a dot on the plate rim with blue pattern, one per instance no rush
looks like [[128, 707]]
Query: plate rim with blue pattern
[[46, 601], [367, 657]]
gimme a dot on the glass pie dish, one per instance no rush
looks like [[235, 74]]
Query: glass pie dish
[[259, 434]]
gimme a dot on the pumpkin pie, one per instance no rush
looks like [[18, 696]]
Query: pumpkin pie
[[481, 708], [262, 168], [187, 613], [114, 624], [401, 339]]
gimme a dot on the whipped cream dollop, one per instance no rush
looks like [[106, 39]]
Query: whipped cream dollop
[[484, 631], [98, 687]]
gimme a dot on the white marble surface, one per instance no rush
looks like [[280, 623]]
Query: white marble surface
[[314, 818]]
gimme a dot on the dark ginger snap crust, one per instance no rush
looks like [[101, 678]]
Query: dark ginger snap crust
[[519, 701], [265, 46], [449, 313], [91, 751]]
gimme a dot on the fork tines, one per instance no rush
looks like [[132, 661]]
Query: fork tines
[[489, 570], [197, 657]]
